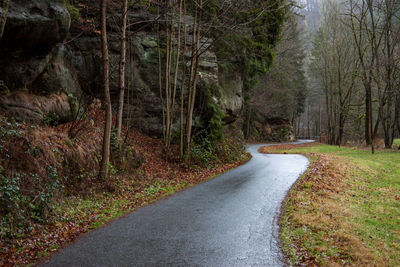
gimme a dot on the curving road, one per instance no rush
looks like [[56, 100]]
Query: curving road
[[227, 221]]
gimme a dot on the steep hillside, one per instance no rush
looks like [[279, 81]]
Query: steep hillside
[[50, 192]]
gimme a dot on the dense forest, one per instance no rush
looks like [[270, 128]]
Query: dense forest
[[353, 67]]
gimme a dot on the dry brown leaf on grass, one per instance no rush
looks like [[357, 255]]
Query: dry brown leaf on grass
[[278, 148]]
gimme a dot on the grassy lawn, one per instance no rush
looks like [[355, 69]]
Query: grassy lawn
[[345, 209]]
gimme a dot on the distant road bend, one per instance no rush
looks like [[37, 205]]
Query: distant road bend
[[227, 221]]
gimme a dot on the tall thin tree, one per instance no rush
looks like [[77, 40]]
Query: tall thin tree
[[122, 63], [194, 74], [103, 174], [182, 129]]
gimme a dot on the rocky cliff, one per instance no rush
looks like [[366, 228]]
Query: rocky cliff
[[43, 69], [35, 75]]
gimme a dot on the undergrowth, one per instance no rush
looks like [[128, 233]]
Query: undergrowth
[[49, 191], [209, 153], [42, 164]]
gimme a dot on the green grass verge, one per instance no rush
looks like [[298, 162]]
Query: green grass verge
[[396, 142], [75, 215], [367, 208], [105, 207]]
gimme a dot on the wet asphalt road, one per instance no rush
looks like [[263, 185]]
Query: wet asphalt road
[[227, 221]]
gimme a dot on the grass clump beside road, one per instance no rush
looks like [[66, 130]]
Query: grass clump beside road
[[345, 210], [396, 142]]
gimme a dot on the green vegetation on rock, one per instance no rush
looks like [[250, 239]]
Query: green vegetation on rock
[[73, 10]]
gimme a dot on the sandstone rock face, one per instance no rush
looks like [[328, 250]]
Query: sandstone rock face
[[145, 108], [33, 108], [20, 72], [35, 25], [34, 66], [275, 130], [30, 41], [59, 75], [231, 96]]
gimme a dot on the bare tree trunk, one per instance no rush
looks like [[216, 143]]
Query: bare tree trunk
[[182, 129], [168, 63], [320, 123], [122, 69], [129, 83], [333, 109], [368, 113], [366, 69], [370, 133], [178, 50], [390, 44], [341, 128], [171, 66], [329, 114], [160, 74], [108, 119], [129, 88], [189, 114], [375, 40], [397, 115], [387, 123], [248, 122], [297, 125], [341, 104], [196, 54], [4, 6]]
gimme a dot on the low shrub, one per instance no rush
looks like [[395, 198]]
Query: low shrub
[[206, 152], [25, 198], [39, 165]]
